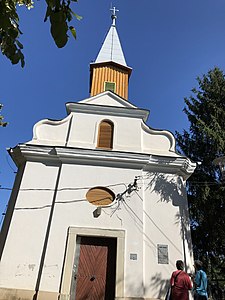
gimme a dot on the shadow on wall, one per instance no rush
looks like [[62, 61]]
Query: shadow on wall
[[160, 285], [139, 225], [157, 283], [172, 189], [169, 188]]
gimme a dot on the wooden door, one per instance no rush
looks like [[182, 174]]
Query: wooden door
[[95, 276]]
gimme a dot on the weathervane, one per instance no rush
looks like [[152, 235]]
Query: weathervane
[[114, 10]]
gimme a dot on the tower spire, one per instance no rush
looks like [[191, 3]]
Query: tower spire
[[111, 49], [110, 70]]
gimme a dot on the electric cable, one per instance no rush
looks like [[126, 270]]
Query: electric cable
[[63, 189]]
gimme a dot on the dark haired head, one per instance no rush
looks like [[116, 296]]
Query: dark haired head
[[198, 264], [179, 265]]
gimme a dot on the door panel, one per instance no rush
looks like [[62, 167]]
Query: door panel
[[95, 278]]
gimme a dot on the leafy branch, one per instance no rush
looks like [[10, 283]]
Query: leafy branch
[[58, 12], [2, 124]]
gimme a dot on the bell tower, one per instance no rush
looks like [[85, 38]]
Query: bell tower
[[110, 72]]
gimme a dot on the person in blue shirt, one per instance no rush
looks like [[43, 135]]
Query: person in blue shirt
[[200, 282]]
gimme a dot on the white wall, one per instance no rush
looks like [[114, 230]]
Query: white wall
[[80, 129], [147, 218], [21, 256]]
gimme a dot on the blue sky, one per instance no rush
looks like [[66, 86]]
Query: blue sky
[[167, 43]]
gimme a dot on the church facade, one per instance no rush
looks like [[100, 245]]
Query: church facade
[[99, 207]]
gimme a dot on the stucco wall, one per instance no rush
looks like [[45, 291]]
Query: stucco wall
[[80, 127], [148, 218]]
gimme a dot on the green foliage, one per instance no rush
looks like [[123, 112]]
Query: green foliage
[[9, 32], [58, 12], [203, 142], [2, 124]]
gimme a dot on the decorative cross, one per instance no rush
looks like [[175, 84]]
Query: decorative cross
[[114, 10]]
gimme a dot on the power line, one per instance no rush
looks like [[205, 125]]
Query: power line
[[7, 160], [63, 189], [50, 205], [111, 185], [131, 187]]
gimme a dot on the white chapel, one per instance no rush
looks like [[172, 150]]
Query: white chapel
[[98, 209]]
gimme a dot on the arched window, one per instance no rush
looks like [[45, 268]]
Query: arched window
[[105, 135], [100, 196]]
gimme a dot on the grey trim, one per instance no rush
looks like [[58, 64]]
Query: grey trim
[[107, 110], [147, 162]]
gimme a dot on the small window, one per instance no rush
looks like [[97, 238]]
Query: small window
[[105, 135], [100, 196], [110, 86]]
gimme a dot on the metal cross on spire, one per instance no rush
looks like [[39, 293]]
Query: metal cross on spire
[[114, 10]]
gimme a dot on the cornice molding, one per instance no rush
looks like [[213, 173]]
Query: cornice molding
[[152, 163], [107, 110]]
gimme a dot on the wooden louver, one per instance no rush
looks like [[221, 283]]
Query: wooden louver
[[105, 135], [109, 72], [100, 196]]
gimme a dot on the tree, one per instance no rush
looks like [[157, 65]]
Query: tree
[[2, 124], [203, 142], [58, 12]]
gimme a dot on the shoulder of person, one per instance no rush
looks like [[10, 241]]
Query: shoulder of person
[[175, 272], [203, 273]]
